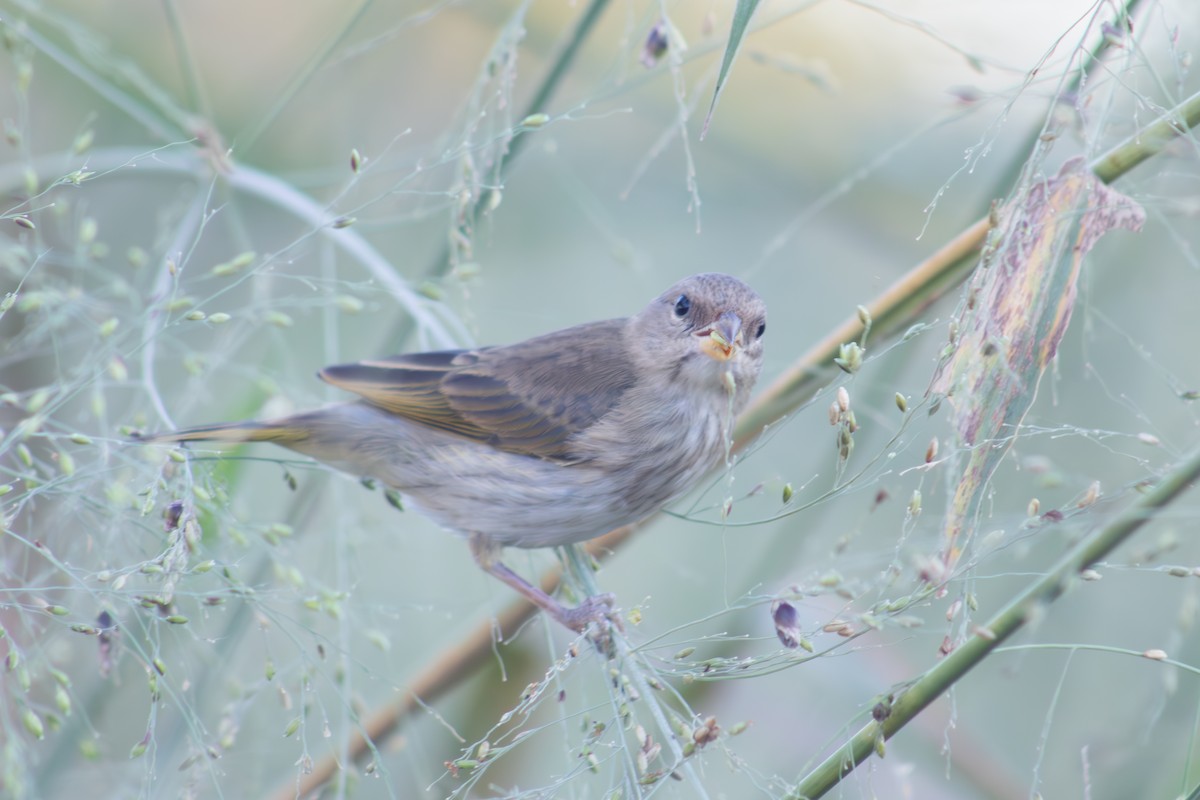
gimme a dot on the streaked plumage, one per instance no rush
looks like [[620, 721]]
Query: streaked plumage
[[553, 440]]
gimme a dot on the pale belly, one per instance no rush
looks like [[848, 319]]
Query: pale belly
[[518, 500]]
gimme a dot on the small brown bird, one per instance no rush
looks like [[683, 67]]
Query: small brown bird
[[550, 441]]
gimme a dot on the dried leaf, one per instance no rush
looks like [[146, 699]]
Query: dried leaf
[[1007, 339]]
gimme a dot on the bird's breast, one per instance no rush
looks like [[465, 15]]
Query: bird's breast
[[659, 445]]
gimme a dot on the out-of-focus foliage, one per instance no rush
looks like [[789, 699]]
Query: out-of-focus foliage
[[205, 203]]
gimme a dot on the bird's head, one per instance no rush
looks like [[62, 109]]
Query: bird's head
[[705, 331]]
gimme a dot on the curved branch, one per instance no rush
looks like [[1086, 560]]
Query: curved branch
[[1008, 621], [896, 308]]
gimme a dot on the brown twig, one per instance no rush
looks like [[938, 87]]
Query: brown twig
[[444, 672], [897, 306]]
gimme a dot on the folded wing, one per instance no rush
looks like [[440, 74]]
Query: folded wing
[[532, 398]]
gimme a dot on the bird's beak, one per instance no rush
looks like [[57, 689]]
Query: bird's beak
[[722, 339]]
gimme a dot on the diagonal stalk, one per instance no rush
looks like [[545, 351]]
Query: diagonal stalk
[[558, 70], [1025, 606], [898, 306]]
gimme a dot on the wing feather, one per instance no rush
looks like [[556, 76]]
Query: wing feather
[[533, 397]]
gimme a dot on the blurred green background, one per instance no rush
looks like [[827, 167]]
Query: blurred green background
[[850, 142]]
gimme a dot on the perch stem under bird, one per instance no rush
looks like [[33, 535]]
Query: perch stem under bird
[[550, 441]]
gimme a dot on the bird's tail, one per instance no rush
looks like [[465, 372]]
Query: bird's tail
[[278, 432]]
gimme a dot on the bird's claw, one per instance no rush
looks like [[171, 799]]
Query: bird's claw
[[594, 617], [597, 608]]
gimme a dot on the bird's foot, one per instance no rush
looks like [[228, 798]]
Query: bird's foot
[[594, 617], [597, 608], [594, 613]]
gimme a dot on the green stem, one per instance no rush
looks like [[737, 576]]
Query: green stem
[[1148, 141], [541, 99], [464, 658], [901, 304], [1108, 167], [1008, 621], [248, 138], [1086, 68]]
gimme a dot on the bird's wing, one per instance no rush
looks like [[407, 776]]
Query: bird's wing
[[530, 398]]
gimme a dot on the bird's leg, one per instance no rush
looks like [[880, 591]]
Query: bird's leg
[[593, 609]]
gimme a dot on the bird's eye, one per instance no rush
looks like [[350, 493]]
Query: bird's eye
[[682, 305], [762, 328]]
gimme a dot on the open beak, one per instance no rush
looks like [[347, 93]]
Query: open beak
[[722, 339]]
